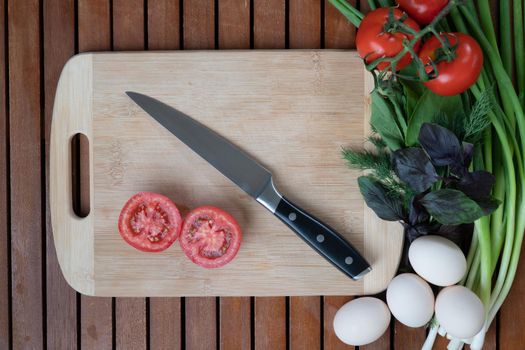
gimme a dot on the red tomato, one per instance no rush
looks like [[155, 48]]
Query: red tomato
[[149, 222], [210, 237], [458, 75], [373, 42], [423, 11]]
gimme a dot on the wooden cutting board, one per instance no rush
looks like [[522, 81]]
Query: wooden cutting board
[[291, 110]]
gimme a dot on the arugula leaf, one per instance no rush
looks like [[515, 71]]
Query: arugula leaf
[[384, 123], [413, 167], [451, 207], [425, 111], [386, 207]]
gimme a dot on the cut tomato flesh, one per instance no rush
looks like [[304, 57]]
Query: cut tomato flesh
[[149, 222], [210, 237]]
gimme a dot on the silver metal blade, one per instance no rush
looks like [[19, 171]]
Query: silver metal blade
[[215, 149]]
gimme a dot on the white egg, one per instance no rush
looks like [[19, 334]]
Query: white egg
[[410, 300], [361, 321], [460, 312], [438, 260]]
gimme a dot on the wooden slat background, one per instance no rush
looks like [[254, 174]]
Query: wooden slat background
[[37, 308]]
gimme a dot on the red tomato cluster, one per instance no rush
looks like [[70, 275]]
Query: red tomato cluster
[[375, 40], [151, 222]]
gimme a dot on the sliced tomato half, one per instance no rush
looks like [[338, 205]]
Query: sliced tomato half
[[210, 237], [149, 222]]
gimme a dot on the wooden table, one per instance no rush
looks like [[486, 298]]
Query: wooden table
[[37, 308]]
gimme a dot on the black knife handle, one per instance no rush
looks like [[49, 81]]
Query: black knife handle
[[322, 238]]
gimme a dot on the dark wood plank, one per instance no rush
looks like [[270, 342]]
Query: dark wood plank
[[408, 338], [235, 313], [163, 24], [339, 33], [201, 323], [512, 317], [96, 323], [130, 313], [4, 237], [165, 313], [199, 24], [305, 322], [26, 186], [270, 313], [130, 323], [234, 24], [305, 24], [94, 25], [305, 312], [269, 21], [201, 313], [165, 324], [95, 313], [59, 46], [331, 305], [128, 25], [270, 323], [382, 343], [235, 323]]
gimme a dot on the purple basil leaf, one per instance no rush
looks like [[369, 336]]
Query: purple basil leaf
[[414, 168], [385, 205], [416, 213], [451, 207], [476, 185], [489, 205], [441, 145]]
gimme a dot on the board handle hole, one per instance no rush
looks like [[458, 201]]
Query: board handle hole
[[80, 175]]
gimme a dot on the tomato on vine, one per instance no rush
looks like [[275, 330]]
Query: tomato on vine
[[457, 72], [423, 11], [381, 36]]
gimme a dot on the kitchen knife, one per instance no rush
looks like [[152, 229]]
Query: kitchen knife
[[257, 182]]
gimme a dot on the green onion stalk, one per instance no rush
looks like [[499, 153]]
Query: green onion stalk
[[494, 253]]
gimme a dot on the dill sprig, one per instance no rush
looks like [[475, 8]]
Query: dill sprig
[[478, 120]]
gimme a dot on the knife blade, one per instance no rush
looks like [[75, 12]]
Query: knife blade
[[256, 181]]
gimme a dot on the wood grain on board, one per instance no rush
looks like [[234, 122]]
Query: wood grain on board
[[25, 137], [96, 316], [59, 46]]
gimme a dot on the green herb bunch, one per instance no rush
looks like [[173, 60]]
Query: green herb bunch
[[428, 188]]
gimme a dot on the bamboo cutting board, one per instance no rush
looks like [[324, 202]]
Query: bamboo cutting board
[[291, 110]]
